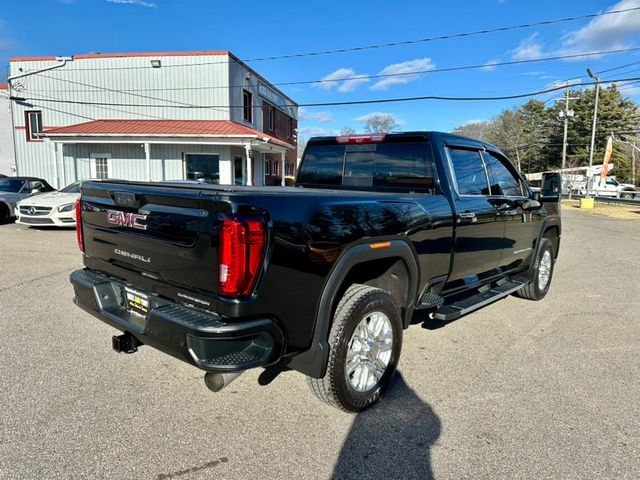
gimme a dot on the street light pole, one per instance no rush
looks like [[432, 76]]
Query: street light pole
[[593, 130]]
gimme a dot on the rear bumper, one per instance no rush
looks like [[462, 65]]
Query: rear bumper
[[196, 337]]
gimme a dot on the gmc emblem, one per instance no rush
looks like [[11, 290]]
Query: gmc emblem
[[130, 220]]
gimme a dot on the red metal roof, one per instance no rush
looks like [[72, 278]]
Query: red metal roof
[[163, 128], [120, 55], [4, 86]]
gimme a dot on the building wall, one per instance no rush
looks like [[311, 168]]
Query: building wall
[[7, 156], [169, 92], [128, 160]]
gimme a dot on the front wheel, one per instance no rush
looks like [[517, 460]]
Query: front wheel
[[544, 262], [4, 214], [365, 343]]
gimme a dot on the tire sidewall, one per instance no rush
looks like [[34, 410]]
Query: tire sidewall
[[545, 246], [367, 304]]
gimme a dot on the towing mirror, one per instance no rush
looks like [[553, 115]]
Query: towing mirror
[[550, 187], [531, 204]]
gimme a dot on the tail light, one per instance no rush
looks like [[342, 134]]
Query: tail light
[[79, 224], [242, 247]]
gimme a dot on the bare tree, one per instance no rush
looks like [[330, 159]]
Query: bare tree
[[380, 123], [347, 131]]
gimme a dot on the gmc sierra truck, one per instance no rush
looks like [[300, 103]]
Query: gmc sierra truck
[[322, 277]]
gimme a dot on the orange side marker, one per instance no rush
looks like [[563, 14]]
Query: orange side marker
[[374, 246]]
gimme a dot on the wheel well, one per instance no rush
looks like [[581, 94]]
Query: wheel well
[[389, 274], [553, 234]]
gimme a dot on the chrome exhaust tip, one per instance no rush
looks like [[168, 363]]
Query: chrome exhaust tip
[[217, 381]]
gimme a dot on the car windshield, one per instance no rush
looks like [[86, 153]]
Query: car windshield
[[72, 188], [10, 185]]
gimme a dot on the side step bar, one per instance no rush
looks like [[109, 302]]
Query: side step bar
[[457, 309]]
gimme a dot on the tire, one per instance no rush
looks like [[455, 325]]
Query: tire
[[544, 263], [360, 305], [627, 196], [4, 214]]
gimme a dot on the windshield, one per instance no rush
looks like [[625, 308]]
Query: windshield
[[73, 188], [398, 166], [10, 185]]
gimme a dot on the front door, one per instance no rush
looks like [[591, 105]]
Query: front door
[[202, 166], [479, 231]]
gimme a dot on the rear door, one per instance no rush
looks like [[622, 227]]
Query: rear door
[[508, 193], [479, 230]]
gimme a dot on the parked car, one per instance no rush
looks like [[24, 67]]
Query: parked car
[[322, 277], [14, 189], [55, 209], [2, 176]]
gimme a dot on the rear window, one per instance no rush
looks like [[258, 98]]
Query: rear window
[[406, 166]]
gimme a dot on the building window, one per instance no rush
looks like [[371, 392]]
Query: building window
[[247, 105], [100, 168], [272, 118], [289, 127], [33, 121]]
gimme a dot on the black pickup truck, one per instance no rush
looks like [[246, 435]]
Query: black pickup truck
[[322, 277]]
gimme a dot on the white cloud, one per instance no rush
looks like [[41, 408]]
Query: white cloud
[[472, 121], [490, 66], [404, 71], [322, 117], [314, 132], [343, 79], [6, 43], [134, 2], [608, 32], [535, 73], [368, 116], [528, 49], [630, 90]]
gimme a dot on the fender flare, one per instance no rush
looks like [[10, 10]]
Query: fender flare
[[547, 223], [313, 362]]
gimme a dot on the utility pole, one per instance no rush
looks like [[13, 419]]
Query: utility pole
[[593, 130], [566, 113]]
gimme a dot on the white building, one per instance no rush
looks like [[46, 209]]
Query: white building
[[150, 116], [7, 158]]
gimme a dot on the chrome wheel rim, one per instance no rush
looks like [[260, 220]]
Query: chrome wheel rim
[[544, 270], [369, 351]]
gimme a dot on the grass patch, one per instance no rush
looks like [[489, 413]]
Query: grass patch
[[621, 212]]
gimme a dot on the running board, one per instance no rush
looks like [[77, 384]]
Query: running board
[[457, 309]]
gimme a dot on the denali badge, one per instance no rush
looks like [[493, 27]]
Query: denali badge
[[134, 256], [121, 219]]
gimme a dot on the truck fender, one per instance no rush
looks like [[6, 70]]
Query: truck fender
[[313, 362], [548, 223]]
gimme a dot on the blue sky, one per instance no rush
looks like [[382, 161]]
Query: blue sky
[[255, 29]]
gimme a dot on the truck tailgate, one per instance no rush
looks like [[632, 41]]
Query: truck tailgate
[[166, 233]]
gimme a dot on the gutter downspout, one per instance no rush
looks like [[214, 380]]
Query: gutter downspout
[[63, 61]]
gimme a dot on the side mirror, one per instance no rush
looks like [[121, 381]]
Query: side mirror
[[551, 183], [535, 196], [531, 204]]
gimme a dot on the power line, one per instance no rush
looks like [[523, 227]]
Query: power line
[[382, 75], [400, 43], [355, 102]]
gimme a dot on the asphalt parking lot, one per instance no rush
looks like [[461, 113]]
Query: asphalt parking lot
[[516, 390]]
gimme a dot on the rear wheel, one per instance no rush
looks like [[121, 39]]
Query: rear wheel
[[365, 343], [539, 286], [4, 214], [627, 195]]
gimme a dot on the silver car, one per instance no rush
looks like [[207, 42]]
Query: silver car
[[14, 189]]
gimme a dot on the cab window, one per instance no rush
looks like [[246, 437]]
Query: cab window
[[471, 177], [503, 181]]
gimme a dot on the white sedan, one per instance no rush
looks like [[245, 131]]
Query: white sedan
[[54, 209]]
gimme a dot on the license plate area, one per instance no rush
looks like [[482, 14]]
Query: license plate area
[[136, 302]]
